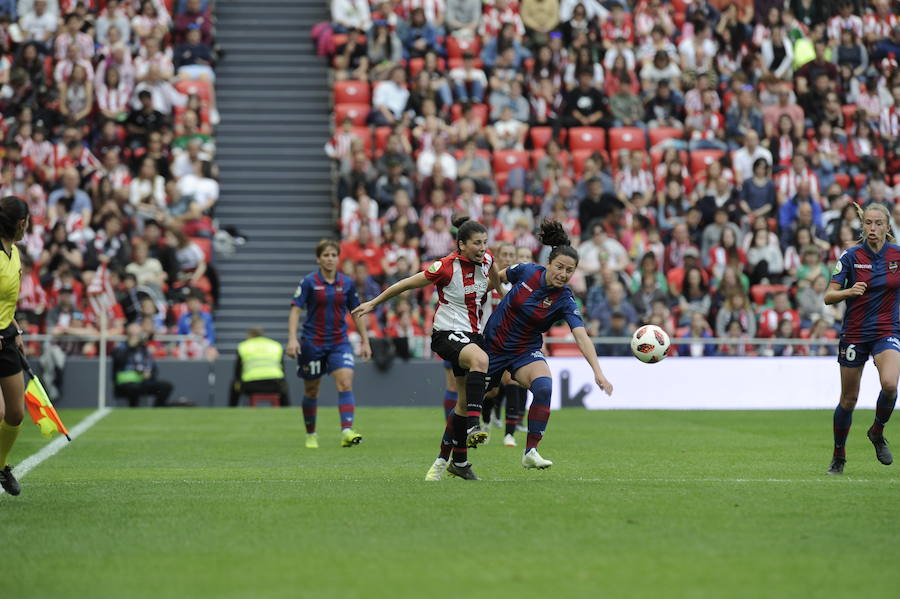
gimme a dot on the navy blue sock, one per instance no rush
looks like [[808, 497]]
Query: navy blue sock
[[883, 410], [842, 421]]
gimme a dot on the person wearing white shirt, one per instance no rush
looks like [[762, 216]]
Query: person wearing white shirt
[[38, 24], [593, 9], [199, 188], [428, 158], [351, 14], [749, 153], [600, 251], [165, 96], [390, 98]]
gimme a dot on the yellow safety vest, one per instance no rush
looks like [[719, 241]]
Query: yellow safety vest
[[260, 359]]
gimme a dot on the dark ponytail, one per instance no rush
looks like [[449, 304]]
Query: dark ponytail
[[464, 227], [12, 210], [553, 234]]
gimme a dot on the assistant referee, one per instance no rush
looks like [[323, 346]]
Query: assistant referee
[[13, 222], [259, 368]]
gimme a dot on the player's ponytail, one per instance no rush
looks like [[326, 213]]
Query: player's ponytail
[[861, 213], [554, 235], [13, 210], [464, 227]]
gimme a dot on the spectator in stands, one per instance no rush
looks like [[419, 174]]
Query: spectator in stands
[[147, 271], [390, 99], [387, 184], [505, 45], [197, 311], [540, 17], [462, 18], [777, 55], [712, 233], [437, 241], [758, 198], [469, 81], [615, 301], [745, 158], [350, 14], [437, 154], [626, 108], [383, 50], [817, 66], [507, 133], [192, 264], [474, 166], [743, 117], [597, 205], [364, 249], [418, 35], [764, 258], [663, 68], [114, 16], [144, 120], [698, 329], [773, 114], [664, 109], [735, 309], [586, 106], [38, 24], [75, 200], [601, 250]]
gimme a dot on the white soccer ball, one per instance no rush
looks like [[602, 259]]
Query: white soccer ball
[[650, 344]]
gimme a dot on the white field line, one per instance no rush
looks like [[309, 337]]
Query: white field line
[[54, 446]]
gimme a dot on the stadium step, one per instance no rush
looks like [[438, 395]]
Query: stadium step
[[273, 94]]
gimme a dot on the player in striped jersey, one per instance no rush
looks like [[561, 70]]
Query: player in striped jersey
[[463, 280], [326, 295], [540, 296], [867, 276], [508, 389]]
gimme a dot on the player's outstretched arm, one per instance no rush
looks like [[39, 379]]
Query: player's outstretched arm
[[836, 295], [590, 354], [416, 281], [365, 350], [293, 346], [495, 280]]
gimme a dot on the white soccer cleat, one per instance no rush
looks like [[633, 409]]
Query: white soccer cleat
[[497, 422], [436, 472], [509, 441], [532, 459]]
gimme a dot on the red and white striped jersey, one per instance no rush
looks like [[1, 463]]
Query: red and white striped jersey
[[837, 23], [492, 20], [461, 287], [879, 27], [787, 182], [434, 9], [628, 182]]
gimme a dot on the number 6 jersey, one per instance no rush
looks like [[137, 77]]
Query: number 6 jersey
[[462, 288]]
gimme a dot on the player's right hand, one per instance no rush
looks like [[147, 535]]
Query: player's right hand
[[293, 348], [857, 290], [362, 309]]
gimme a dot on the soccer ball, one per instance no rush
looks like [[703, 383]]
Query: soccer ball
[[649, 344]]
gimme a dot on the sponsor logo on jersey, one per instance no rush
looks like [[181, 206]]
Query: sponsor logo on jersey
[[436, 266], [838, 266], [299, 291], [863, 266], [319, 287], [470, 275], [470, 289], [537, 354]]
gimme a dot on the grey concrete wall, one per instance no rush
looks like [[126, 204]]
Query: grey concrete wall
[[414, 383]]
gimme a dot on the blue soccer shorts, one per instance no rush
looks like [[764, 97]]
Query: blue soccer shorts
[[854, 355], [314, 361], [497, 363]]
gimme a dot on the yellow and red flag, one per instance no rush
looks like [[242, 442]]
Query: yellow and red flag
[[41, 409]]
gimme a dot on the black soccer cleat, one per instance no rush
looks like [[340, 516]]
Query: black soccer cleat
[[463, 472], [882, 451], [837, 465], [9, 482]]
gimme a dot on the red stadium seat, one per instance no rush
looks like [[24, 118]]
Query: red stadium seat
[[541, 135], [661, 134], [454, 63], [626, 138], [579, 157], [417, 64], [272, 399], [507, 160], [486, 154], [206, 245], [758, 293], [456, 47], [843, 180], [859, 181], [481, 110], [200, 87], [500, 180], [357, 113], [587, 138], [700, 159], [351, 92]]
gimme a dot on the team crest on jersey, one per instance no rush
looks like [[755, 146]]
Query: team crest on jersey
[[547, 302], [434, 267], [892, 266]]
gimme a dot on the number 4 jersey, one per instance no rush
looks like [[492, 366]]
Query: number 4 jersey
[[462, 288]]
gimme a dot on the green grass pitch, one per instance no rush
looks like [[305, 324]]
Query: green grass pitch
[[227, 503]]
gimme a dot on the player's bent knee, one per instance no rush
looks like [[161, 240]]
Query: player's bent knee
[[848, 402], [889, 389]]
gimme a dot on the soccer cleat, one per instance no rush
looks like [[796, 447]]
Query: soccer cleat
[[498, 422], [882, 451], [349, 438], [475, 437], [436, 472], [521, 428], [463, 472], [509, 441], [9, 482], [837, 465], [312, 441], [532, 459]]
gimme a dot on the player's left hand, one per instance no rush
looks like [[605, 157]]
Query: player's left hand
[[604, 384], [20, 344], [365, 352]]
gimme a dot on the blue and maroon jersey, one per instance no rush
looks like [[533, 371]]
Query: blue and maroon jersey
[[326, 306], [529, 309], [874, 314]]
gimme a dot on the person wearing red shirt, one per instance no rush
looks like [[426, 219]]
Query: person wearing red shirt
[[780, 310], [364, 249]]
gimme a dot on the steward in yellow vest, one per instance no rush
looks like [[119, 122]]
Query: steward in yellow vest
[[258, 368]]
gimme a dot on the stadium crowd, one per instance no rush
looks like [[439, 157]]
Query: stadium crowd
[[107, 132], [707, 157]]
